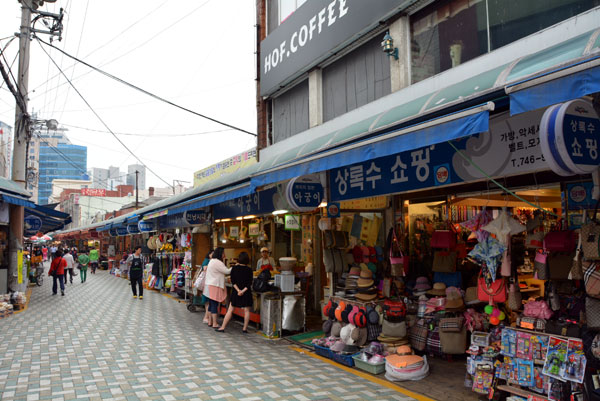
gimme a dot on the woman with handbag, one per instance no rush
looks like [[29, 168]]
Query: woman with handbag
[[241, 295], [214, 287], [57, 271]]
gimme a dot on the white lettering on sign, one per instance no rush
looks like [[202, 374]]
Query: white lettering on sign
[[326, 17], [421, 163]]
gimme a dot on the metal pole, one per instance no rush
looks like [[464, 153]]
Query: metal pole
[[21, 138], [136, 189]]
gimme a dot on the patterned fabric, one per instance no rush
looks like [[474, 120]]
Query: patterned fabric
[[374, 331], [434, 344], [591, 277], [418, 337], [489, 253], [477, 222]]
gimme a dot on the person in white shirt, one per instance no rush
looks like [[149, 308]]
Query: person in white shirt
[[70, 265], [266, 261]]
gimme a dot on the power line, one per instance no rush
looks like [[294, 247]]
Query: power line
[[98, 116], [146, 135], [142, 90]]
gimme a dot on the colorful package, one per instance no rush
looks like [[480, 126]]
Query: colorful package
[[540, 381], [556, 358], [483, 382], [524, 350], [508, 346], [539, 346], [526, 373], [576, 361]]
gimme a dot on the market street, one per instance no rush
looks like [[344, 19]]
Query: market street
[[97, 342]]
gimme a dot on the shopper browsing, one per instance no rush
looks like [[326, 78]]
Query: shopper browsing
[[241, 295], [214, 287], [136, 271], [204, 300], [266, 261], [94, 256], [57, 271], [83, 260], [69, 270]]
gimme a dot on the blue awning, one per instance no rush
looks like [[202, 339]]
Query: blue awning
[[51, 219], [132, 219], [555, 90], [104, 228], [430, 132], [212, 199], [15, 200]]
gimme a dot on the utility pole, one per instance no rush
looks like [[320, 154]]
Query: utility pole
[[136, 189], [21, 138]]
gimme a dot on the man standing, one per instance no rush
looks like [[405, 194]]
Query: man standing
[[94, 256], [83, 260], [70, 265], [57, 271], [136, 271], [53, 251]]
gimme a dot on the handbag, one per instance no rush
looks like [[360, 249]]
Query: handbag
[[591, 278], [540, 264], [560, 240], [535, 240], [418, 336], [592, 312], [444, 262], [563, 327], [451, 324], [454, 343], [537, 309], [398, 260], [333, 259], [515, 299], [494, 293], [559, 265], [576, 272], [590, 240], [444, 239]]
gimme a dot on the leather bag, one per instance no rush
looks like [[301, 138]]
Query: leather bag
[[515, 299], [537, 309], [494, 293], [563, 327], [592, 313], [333, 259], [444, 262], [560, 241], [559, 265], [398, 260], [591, 278], [540, 264], [590, 240], [443, 239], [454, 343]]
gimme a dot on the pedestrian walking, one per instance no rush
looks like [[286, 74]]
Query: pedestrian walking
[[215, 285], [53, 250], [204, 300], [69, 269], [57, 271], [94, 256], [241, 295], [83, 260], [45, 253], [136, 271]]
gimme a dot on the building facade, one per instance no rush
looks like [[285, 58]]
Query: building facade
[[5, 149]]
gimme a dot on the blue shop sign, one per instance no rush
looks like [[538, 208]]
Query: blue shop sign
[[133, 229], [261, 202], [511, 147], [579, 196], [305, 196], [581, 135], [122, 231], [33, 224], [146, 226], [196, 217], [112, 232]]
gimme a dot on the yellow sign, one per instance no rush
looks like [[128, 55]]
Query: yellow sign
[[20, 266], [371, 203], [227, 166]]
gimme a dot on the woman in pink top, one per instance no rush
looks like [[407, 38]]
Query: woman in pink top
[[214, 287]]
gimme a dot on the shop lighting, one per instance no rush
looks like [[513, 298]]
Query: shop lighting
[[277, 212], [250, 216], [323, 204], [388, 46], [225, 220], [239, 218], [217, 220]]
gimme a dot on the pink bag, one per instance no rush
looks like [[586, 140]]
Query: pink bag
[[398, 260], [560, 240], [444, 239], [537, 309]]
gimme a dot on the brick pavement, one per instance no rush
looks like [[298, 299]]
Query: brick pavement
[[97, 342]]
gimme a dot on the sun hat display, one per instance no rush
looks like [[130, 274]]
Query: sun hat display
[[454, 299], [359, 336], [439, 289], [422, 284], [327, 327], [354, 271], [367, 294], [366, 279], [345, 334], [336, 328]]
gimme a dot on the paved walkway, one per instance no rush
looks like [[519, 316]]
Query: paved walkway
[[97, 342]]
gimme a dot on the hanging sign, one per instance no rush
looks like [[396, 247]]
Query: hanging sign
[[333, 209], [32, 224], [511, 147], [234, 231], [112, 232], [121, 231], [258, 203], [196, 217], [304, 194], [579, 196], [253, 229], [133, 229], [292, 222], [569, 134], [146, 226]]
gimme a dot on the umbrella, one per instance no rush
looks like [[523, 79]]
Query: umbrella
[[504, 226], [34, 238], [488, 253], [46, 238], [476, 224]]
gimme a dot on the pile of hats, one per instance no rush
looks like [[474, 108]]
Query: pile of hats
[[351, 282], [347, 322], [421, 286], [404, 365], [366, 286], [373, 354]]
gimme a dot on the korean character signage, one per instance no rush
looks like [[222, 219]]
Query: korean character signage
[[262, 202], [146, 226], [133, 229], [32, 224], [579, 195], [569, 137], [196, 217], [304, 194], [512, 146], [93, 192], [122, 231]]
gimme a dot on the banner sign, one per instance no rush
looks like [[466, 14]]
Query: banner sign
[[121, 231], [32, 224], [196, 217], [314, 31], [146, 226], [112, 232], [292, 222], [262, 202], [224, 167], [93, 192], [179, 219], [133, 229], [511, 147], [304, 194]]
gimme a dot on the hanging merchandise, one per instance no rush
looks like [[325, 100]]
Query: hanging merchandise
[[560, 240], [504, 226], [590, 237], [488, 254], [476, 224]]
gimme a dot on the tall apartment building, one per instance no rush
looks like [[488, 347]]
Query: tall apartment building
[[106, 178], [131, 169], [5, 149]]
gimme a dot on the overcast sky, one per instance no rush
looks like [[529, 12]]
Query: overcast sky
[[199, 54]]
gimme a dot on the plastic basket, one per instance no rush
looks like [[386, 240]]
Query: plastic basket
[[344, 359], [374, 368], [323, 351]]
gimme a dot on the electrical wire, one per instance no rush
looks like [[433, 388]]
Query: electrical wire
[[146, 135], [142, 90], [100, 118]]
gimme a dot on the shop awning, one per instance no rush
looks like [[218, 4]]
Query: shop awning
[[17, 200], [564, 72], [51, 219], [453, 126]]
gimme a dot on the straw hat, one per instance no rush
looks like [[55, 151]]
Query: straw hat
[[369, 295], [366, 279], [439, 289], [454, 298]]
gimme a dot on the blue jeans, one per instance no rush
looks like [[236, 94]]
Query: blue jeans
[[60, 278], [213, 306]]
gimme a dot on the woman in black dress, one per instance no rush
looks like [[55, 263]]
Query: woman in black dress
[[241, 295]]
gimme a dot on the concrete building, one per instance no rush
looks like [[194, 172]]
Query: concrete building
[[61, 185], [5, 149], [131, 169], [107, 178]]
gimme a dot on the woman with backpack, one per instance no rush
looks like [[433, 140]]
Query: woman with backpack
[[241, 295], [214, 287]]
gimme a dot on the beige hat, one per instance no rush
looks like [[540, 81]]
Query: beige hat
[[264, 248], [439, 289]]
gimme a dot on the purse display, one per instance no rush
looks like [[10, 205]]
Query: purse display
[[540, 265], [559, 265], [537, 309], [443, 239], [444, 262], [591, 278], [592, 313], [494, 293], [515, 299], [590, 240]]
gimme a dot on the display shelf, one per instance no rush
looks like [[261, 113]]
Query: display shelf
[[359, 303], [520, 392]]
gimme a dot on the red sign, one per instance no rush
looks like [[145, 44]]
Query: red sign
[[93, 192]]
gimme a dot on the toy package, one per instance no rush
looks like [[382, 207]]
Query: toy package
[[526, 373], [540, 381], [556, 358], [539, 347], [500, 370], [576, 361], [524, 350], [483, 381], [508, 346], [511, 370], [557, 389]]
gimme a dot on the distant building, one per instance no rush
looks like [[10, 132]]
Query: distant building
[[106, 178], [5, 149], [131, 169]]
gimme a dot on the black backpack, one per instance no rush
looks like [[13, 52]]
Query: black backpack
[[261, 283]]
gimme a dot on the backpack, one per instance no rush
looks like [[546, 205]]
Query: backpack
[[394, 311], [261, 283]]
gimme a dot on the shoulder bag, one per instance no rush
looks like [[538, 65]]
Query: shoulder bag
[[398, 261], [444, 262], [560, 240], [494, 293], [590, 237], [591, 278]]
